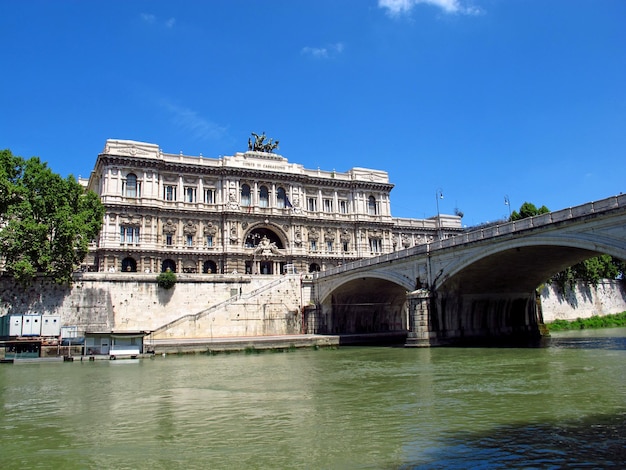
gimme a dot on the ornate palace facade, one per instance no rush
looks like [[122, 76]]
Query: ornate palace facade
[[252, 213]]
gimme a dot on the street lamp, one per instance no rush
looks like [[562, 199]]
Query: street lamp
[[438, 195], [507, 202]]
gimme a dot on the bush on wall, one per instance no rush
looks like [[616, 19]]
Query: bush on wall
[[166, 279]]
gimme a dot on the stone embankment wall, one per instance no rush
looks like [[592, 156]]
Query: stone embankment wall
[[608, 297], [260, 305], [228, 305]]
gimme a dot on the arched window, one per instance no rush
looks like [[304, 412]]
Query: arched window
[[129, 265], [168, 264], [314, 268], [372, 206], [132, 187], [245, 195], [209, 267], [264, 196], [280, 198]]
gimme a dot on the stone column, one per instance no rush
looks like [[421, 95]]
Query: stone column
[[420, 334]]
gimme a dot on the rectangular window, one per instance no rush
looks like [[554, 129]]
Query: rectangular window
[[313, 245], [169, 193], [209, 196], [328, 205], [209, 241], [189, 240], [311, 204], [375, 245], [343, 207], [129, 234], [329, 246], [345, 246], [190, 194], [168, 239]]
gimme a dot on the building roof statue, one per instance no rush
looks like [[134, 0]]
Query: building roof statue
[[260, 143]]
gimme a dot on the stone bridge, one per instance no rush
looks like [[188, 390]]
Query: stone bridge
[[479, 285]]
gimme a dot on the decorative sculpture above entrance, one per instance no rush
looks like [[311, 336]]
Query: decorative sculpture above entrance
[[261, 145]]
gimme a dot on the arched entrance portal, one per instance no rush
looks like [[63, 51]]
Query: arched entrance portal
[[267, 254], [257, 235]]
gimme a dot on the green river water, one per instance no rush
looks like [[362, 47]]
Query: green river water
[[560, 406]]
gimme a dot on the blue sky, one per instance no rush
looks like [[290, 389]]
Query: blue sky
[[481, 98]]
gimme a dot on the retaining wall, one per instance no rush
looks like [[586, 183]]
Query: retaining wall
[[608, 297], [115, 301]]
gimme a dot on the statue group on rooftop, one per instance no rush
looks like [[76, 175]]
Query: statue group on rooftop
[[262, 144]]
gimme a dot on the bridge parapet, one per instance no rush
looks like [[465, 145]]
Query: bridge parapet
[[481, 283], [583, 210]]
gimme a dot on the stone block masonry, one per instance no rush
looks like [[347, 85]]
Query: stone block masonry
[[246, 305], [222, 306]]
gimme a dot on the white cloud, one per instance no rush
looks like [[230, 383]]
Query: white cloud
[[152, 19], [190, 121], [148, 18], [401, 7], [324, 52]]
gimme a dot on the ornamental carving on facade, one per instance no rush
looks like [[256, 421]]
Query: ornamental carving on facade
[[314, 234], [295, 205], [266, 248], [376, 234], [169, 227], [210, 229], [329, 235], [406, 241], [234, 236], [345, 235], [129, 150], [190, 228], [130, 219], [233, 203], [298, 237]]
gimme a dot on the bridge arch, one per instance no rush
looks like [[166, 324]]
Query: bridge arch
[[371, 303], [522, 263], [481, 284]]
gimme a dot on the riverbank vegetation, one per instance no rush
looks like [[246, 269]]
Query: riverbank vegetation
[[607, 321]]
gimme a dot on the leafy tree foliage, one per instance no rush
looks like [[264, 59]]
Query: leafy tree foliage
[[47, 221], [528, 210], [589, 271]]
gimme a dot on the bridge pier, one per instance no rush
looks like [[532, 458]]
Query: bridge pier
[[420, 334], [448, 319]]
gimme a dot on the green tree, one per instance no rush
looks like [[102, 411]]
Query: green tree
[[528, 209], [48, 221]]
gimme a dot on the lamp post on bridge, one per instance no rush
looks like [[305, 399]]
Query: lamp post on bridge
[[438, 195], [507, 202]]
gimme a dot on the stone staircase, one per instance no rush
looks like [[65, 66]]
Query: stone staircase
[[272, 309]]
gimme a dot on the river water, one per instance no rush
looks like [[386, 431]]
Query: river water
[[561, 406]]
